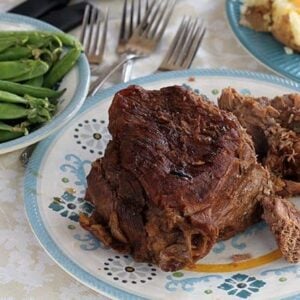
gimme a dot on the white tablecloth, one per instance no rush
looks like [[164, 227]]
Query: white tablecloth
[[26, 271]]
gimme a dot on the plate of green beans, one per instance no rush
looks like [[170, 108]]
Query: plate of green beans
[[44, 79]]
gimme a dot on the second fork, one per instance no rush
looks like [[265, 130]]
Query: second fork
[[92, 39]]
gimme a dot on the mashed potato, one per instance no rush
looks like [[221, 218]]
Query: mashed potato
[[256, 14], [286, 22], [280, 17]]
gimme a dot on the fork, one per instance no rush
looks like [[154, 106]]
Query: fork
[[126, 31], [184, 45], [147, 35], [130, 20], [93, 42]]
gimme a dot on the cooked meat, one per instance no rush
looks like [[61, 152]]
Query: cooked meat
[[272, 123], [288, 107], [178, 175], [276, 142], [284, 221]]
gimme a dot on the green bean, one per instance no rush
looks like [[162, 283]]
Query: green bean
[[68, 40], [15, 53], [37, 68], [38, 103], [10, 69], [11, 98], [17, 128], [34, 36], [28, 101], [62, 67], [39, 42], [6, 45], [22, 89], [57, 53], [45, 55], [37, 81], [9, 111], [9, 135], [55, 43], [18, 40], [37, 113], [8, 132], [8, 42]]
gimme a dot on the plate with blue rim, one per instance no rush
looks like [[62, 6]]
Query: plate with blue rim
[[54, 189], [262, 45], [76, 83]]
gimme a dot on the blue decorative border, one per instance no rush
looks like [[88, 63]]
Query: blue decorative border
[[269, 52], [70, 110], [41, 152]]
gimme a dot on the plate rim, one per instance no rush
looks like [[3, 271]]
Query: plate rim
[[70, 110], [36, 162], [251, 51]]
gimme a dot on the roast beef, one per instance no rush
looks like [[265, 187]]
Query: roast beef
[[274, 128], [178, 175], [284, 221], [273, 125]]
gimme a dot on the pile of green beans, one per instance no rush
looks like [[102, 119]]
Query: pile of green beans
[[32, 63]]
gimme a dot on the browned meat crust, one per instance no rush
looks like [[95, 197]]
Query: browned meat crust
[[178, 175]]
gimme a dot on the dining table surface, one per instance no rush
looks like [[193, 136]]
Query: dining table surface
[[26, 271]]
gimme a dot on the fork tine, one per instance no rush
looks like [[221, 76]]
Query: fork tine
[[131, 18], [175, 42], [141, 27], [123, 22], [199, 35], [159, 19], [91, 30], [178, 48], [86, 15], [187, 41], [138, 20], [166, 20], [95, 47], [104, 34], [152, 20]]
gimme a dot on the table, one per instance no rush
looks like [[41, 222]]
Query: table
[[26, 271]]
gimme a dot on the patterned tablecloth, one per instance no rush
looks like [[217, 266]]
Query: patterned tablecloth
[[26, 271]]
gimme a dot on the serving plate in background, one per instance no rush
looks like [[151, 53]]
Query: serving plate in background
[[54, 190], [76, 82], [262, 45]]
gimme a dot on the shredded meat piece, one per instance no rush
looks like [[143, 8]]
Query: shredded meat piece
[[288, 107], [284, 221], [272, 129], [272, 123]]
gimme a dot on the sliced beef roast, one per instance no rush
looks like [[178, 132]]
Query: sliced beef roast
[[178, 175]]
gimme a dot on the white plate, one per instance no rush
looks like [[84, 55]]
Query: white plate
[[76, 82], [55, 184]]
